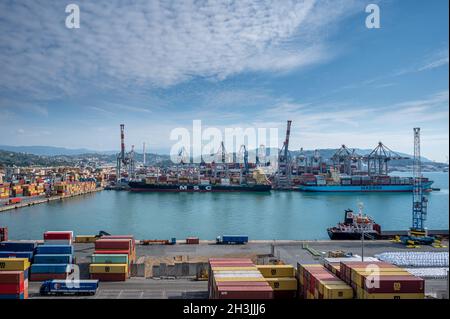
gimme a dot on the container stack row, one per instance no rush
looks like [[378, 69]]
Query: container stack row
[[381, 280], [282, 280], [14, 278], [54, 259], [316, 282], [17, 249], [112, 258], [236, 278]]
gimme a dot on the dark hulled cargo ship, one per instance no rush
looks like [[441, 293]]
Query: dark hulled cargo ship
[[158, 187], [254, 182]]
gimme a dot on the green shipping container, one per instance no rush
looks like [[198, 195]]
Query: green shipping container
[[109, 259]]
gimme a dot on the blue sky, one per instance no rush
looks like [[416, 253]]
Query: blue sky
[[158, 65]]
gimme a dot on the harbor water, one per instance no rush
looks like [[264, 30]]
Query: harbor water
[[274, 215]]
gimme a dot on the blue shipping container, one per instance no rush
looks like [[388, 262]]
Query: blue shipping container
[[54, 249], [17, 254], [53, 259], [50, 268], [17, 246], [16, 296]]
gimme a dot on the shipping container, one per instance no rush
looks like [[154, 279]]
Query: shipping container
[[52, 259], [394, 296], [271, 271], [283, 283], [109, 276], [18, 264], [113, 244], [192, 241], [244, 292], [85, 239], [9, 277], [17, 254], [58, 235], [54, 249], [17, 246], [108, 268], [50, 268], [109, 259]]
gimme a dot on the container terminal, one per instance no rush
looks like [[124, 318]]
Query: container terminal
[[230, 267]]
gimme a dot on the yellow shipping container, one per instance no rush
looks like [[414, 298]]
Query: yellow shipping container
[[337, 292], [394, 296], [234, 268], [240, 279], [283, 283], [85, 239], [276, 271], [329, 283], [108, 268], [16, 264]]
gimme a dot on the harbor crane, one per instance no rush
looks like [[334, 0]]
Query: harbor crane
[[124, 160], [378, 159], [418, 233], [284, 161], [344, 158], [244, 153]]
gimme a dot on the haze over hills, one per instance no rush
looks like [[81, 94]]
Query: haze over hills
[[62, 151]]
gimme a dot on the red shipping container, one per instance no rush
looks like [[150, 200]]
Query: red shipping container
[[398, 284], [133, 242], [122, 244], [284, 294], [244, 292], [11, 277], [43, 277], [11, 289], [109, 277], [192, 241], [58, 235]]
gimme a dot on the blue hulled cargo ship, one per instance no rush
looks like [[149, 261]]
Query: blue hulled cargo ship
[[361, 184]]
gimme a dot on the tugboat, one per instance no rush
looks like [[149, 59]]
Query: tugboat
[[354, 226]]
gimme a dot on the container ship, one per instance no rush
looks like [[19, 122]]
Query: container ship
[[364, 183], [256, 183], [354, 225]]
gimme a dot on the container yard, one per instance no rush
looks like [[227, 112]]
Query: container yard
[[125, 267]]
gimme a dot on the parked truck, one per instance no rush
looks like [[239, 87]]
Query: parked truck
[[232, 239], [68, 287]]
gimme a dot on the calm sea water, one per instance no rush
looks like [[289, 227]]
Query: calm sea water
[[276, 215]]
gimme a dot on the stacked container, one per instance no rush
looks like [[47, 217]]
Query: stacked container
[[53, 259], [17, 249], [14, 278], [380, 280], [316, 282], [282, 280], [112, 258], [236, 278]]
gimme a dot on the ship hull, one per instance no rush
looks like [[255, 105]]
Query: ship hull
[[179, 188], [336, 235], [361, 188]]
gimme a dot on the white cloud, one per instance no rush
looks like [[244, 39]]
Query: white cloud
[[156, 43]]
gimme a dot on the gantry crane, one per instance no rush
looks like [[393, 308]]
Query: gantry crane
[[378, 159]]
